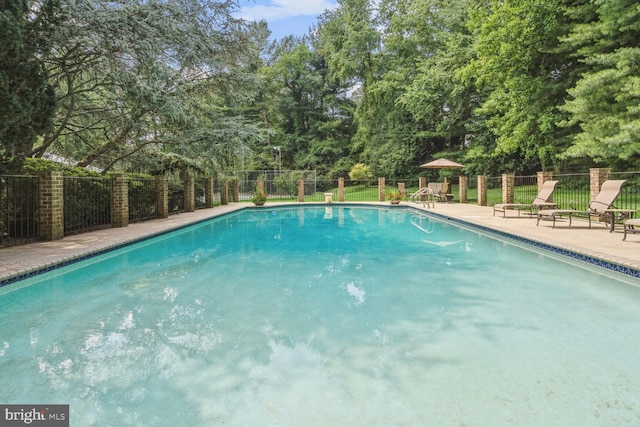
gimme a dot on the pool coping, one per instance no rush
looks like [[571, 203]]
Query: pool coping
[[573, 253]]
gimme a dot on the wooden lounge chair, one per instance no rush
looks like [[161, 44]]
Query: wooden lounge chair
[[541, 201], [602, 205]]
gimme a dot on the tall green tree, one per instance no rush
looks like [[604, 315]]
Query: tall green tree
[[27, 99], [136, 80], [364, 46], [310, 118], [525, 75], [605, 101], [437, 98]]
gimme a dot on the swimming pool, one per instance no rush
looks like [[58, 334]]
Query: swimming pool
[[342, 316]]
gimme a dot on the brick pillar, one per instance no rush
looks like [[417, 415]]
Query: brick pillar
[[224, 193], [508, 185], [208, 193], [381, 182], [189, 194], [51, 205], [542, 177], [482, 190], [341, 189], [596, 177], [463, 187], [236, 191], [260, 185], [300, 190], [119, 200], [422, 183], [162, 196]]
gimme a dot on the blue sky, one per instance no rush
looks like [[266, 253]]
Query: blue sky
[[285, 17]]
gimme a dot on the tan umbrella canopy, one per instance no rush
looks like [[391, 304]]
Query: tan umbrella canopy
[[442, 164]]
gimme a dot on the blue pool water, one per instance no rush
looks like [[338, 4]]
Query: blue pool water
[[338, 316]]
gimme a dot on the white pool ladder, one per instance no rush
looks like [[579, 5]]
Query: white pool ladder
[[425, 195]]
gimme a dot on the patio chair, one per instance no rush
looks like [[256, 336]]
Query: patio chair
[[541, 201], [445, 195], [630, 227], [602, 205], [436, 188], [440, 191]]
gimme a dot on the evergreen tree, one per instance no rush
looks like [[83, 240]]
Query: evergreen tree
[[27, 100], [605, 101]]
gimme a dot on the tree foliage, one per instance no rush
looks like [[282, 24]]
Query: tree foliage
[[26, 98], [307, 112], [605, 101], [501, 85], [134, 80]]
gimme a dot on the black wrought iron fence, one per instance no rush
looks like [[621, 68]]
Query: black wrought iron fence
[[572, 191], [176, 197], [87, 203], [525, 188], [200, 197], [410, 185], [142, 199], [494, 190], [472, 190], [247, 188], [18, 209], [629, 197], [361, 191], [218, 188], [315, 191]]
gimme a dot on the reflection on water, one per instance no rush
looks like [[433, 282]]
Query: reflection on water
[[353, 317]]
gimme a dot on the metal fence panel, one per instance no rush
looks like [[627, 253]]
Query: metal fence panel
[[494, 190], [572, 191], [279, 185], [525, 188], [142, 199], [87, 203], [176, 196], [199, 188], [629, 197], [18, 209]]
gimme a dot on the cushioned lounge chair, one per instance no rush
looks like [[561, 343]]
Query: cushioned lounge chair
[[602, 205], [540, 202]]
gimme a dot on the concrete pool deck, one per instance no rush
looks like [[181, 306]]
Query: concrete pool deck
[[597, 242]]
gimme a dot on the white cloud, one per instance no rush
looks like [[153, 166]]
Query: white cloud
[[276, 10]]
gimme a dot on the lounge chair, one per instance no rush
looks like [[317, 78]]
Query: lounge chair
[[440, 191], [436, 188], [602, 205], [444, 195], [630, 227], [541, 201]]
